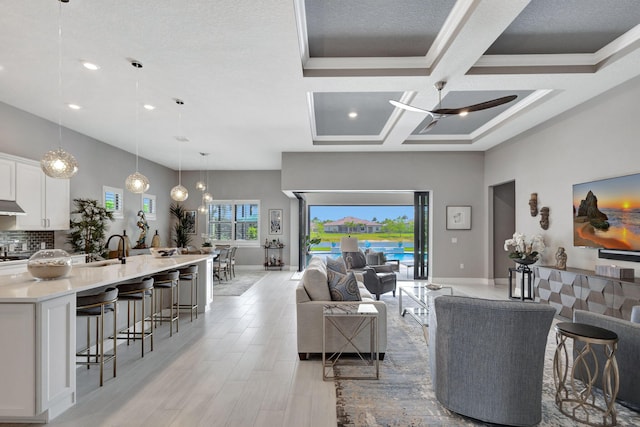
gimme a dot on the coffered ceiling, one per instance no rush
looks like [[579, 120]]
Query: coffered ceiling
[[262, 78]]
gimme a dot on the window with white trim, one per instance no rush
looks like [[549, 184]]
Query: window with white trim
[[112, 200], [149, 206], [234, 220]]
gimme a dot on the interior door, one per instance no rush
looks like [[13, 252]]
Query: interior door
[[421, 236]]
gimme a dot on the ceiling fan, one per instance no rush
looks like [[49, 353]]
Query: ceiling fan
[[441, 113]]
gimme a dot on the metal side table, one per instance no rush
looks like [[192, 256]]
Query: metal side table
[[367, 316], [575, 398]]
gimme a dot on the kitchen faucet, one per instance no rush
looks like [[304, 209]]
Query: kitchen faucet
[[123, 259]]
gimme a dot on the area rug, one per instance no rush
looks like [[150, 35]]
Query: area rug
[[239, 284], [404, 396]]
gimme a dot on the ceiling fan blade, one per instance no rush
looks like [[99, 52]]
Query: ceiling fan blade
[[409, 107], [428, 127], [476, 107]]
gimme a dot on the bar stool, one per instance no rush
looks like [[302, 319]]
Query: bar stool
[[190, 274], [168, 280], [132, 292], [95, 306]]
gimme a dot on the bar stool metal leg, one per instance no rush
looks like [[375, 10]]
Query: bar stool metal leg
[[97, 306]]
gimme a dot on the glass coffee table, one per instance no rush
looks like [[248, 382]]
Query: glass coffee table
[[420, 293]]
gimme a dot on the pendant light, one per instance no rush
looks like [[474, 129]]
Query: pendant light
[[179, 193], [59, 163], [200, 184], [203, 207], [206, 196], [136, 182]]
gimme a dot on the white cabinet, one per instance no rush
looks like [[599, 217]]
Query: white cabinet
[[45, 200], [45, 386], [18, 367], [7, 179]]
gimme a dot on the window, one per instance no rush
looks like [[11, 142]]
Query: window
[[149, 206], [112, 199], [234, 220]]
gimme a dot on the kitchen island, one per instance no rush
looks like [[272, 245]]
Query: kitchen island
[[38, 330]]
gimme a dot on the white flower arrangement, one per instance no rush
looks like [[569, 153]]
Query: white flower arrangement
[[522, 248]]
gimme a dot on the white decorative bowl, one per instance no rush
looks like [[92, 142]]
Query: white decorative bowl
[[434, 287], [49, 264], [164, 252]]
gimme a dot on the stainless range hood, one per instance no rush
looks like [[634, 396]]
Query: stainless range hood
[[11, 208]]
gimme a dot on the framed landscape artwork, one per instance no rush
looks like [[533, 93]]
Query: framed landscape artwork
[[458, 217], [275, 221]]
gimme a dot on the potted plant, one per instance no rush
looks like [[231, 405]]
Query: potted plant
[[183, 224], [88, 227], [207, 246]]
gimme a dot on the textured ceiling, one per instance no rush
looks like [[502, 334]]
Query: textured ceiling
[[262, 78]]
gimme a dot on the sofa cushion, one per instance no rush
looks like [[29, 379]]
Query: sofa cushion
[[343, 287], [336, 264], [315, 280]]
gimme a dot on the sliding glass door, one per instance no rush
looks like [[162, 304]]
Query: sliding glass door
[[421, 236]]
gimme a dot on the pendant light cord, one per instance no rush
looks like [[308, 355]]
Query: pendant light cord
[[137, 125], [60, 75]]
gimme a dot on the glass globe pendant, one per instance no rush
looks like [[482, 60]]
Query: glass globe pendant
[[137, 183], [207, 197], [179, 193], [201, 186], [59, 164], [202, 208]]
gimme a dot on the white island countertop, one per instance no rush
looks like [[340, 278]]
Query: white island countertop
[[23, 288]]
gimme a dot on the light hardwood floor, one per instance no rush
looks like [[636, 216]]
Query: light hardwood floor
[[237, 365]]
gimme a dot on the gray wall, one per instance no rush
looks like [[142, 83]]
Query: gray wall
[[451, 178], [247, 185], [25, 135], [598, 139]]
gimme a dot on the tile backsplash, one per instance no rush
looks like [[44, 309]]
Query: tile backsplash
[[32, 239]]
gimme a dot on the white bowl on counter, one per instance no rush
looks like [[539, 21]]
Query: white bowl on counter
[[164, 252]]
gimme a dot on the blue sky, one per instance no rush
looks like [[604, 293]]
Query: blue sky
[[362, 212]]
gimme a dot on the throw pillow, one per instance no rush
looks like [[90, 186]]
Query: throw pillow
[[337, 265], [358, 259], [343, 287]]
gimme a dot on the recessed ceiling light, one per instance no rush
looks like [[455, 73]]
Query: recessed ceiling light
[[182, 139], [149, 107], [74, 106], [90, 66], [353, 115]]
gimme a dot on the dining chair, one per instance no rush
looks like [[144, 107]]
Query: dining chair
[[221, 264]]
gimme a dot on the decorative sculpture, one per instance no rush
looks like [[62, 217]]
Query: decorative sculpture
[[561, 259], [544, 218], [533, 204], [143, 226]]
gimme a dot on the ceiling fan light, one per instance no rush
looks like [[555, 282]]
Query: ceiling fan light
[[179, 193], [59, 164], [137, 183]]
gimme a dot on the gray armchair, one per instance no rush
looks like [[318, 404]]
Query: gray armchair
[[379, 279], [487, 357]]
